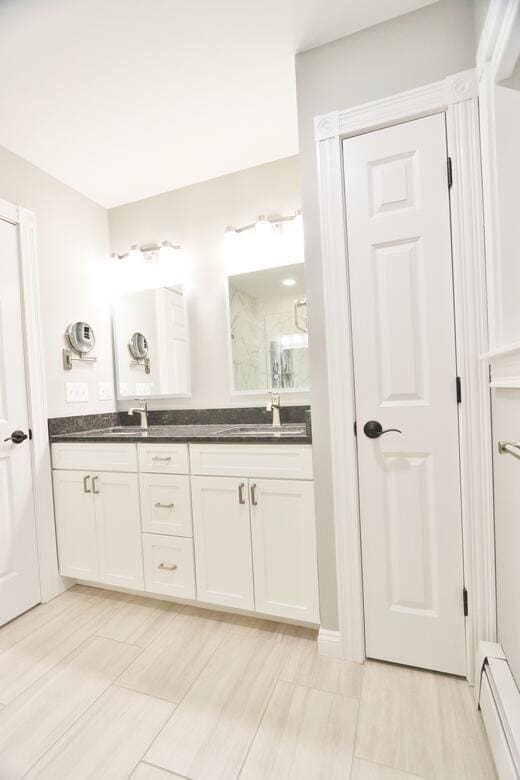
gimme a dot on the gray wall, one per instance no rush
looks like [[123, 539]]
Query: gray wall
[[480, 8], [401, 54], [72, 244], [195, 218]]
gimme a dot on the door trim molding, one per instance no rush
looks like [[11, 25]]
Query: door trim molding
[[457, 97], [51, 584]]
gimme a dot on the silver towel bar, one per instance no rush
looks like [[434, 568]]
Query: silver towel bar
[[512, 447]]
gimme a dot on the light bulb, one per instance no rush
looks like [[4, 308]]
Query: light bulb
[[135, 255], [288, 282]]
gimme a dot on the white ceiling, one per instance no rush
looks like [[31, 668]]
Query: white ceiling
[[123, 99]]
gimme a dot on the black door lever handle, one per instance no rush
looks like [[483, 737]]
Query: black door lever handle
[[17, 437], [373, 429]]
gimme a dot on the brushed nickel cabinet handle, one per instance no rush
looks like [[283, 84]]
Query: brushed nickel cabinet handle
[[156, 457], [85, 484], [241, 499], [164, 506], [253, 495], [94, 486], [167, 566]]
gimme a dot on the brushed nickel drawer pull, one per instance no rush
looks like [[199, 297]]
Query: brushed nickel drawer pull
[[241, 499], [94, 485], [156, 457], [164, 506], [253, 495], [85, 483], [167, 566]]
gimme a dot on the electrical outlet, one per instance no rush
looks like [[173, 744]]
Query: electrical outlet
[[105, 391], [124, 389], [76, 392], [143, 388]]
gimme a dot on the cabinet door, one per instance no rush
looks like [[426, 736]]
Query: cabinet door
[[168, 565], [75, 524], [118, 530], [222, 534], [284, 548], [165, 504]]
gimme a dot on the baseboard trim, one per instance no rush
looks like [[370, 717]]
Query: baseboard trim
[[329, 643]]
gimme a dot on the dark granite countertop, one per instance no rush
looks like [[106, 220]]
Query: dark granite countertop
[[197, 433]]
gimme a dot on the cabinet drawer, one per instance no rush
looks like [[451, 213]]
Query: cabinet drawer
[[168, 565], [252, 460], [95, 457], [166, 504], [164, 458]]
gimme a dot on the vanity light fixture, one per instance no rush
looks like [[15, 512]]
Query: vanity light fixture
[[263, 224], [145, 252]]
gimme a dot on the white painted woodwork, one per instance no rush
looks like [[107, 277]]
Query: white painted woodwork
[[94, 456], [398, 232], [75, 524], [118, 526], [222, 535], [284, 548], [166, 504], [19, 575], [164, 458], [169, 567], [272, 461]]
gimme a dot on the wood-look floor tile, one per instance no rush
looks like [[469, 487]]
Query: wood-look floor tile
[[209, 733], [260, 628], [305, 666], [31, 657], [139, 620], [148, 772], [107, 740], [421, 722], [367, 770], [31, 724], [305, 734], [38, 616], [174, 659]]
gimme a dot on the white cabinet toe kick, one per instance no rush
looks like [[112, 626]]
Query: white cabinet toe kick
[[225, 524]]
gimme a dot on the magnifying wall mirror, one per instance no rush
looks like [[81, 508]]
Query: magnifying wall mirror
[[138, 346], [81, 337]]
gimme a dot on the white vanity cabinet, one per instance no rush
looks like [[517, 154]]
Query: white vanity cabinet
[[224, 524]]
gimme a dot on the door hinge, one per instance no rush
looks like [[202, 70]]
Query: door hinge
[[459, 390], [30, 434], [355, 427], [465, 601], [450, 173]]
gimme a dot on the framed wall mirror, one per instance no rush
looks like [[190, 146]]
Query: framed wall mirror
[[267, 315], [151, 344]]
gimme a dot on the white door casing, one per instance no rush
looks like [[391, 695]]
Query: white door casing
[[400, 266], [19, 572]]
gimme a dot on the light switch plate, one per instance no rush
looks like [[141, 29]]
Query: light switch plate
[[105, 391], [143, 388], [76, 392]]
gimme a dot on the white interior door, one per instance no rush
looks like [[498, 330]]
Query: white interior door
[[173, 341], [400, 265], [19, 576]]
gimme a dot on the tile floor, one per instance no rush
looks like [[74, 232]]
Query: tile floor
[[107, 686]]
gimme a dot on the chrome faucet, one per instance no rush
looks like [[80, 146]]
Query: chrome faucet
[[141, 410], [273, 405]]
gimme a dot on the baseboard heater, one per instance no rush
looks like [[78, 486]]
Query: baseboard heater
[[499, 701]]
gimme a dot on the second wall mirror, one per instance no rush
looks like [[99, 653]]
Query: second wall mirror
[[151, 344], [268, 330]]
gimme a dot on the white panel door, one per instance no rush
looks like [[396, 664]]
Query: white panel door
[[222, 536], [284, 548], [75, 524], [19, 575], [400, 265], [173, 342], [118, 526]]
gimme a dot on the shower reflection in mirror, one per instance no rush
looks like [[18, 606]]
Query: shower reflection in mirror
[[268, 330], [151, 343]]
